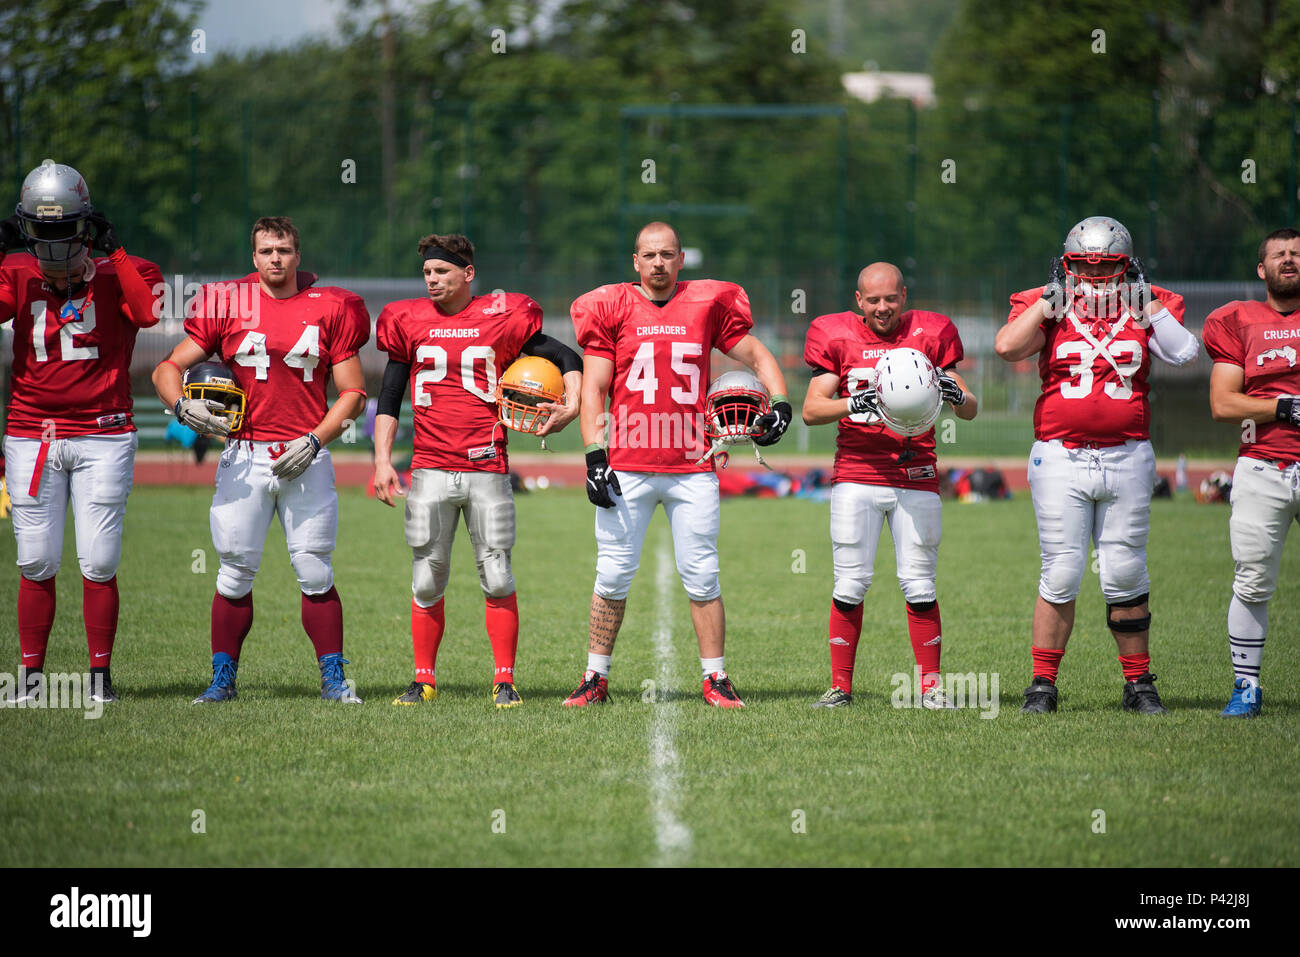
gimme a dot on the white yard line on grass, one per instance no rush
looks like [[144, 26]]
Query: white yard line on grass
[[672, 837]]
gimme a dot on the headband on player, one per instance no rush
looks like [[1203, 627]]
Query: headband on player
[[446, 255]]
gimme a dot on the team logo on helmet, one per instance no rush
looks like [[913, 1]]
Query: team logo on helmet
[[907, 392], [529, 381], [214, 381], [54, 214]]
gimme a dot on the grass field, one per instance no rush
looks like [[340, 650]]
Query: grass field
[[285, 779]]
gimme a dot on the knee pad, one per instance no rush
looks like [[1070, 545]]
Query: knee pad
[[919, 591], [315, 576], [850, 591], [613, 577], [844, 606], [1061, 577], [428, 580], [39, 569], [1251, 582], [1128, 625], [101, 564], [494, 573], [234, 581]]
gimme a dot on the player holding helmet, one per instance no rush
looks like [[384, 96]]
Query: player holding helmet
[[69, 435], [1094, 328], [860, 362], [647, 349], [282, 339], [1256, 382], [451, 346]]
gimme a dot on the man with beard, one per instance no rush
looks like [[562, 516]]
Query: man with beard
[[1256, 382]]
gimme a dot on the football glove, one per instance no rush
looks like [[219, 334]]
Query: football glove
[[11, 235], [200, 415], [601, 479], [296, 457], [864, 401], [1288, 410], [105, 236], [950, 391], [770, 426], [1054, 291], [1139, 291]]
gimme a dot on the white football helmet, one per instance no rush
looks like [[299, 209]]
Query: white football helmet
[[734, 403], [907, 392], [54, 214]]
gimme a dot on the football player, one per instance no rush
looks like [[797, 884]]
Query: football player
[[1094, 328], [879, 476], [1256, 382], [284, 338], [451, 346], [647, 346], [69, 435]]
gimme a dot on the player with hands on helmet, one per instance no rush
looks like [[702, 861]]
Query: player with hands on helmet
[[874, 373], [280, 339], [1091, 468], [69, 436], [448, 347]]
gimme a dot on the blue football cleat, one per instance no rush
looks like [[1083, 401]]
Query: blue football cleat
[[223, 680], [1246, 700], [333, 686]]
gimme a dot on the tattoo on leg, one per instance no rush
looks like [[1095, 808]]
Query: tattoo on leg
[[606, 619]]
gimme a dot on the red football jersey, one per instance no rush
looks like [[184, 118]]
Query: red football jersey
[[1266, 345], [1094, 391], [870, 453], [72, 368], [280, 350], [455, 363], [661, 366]]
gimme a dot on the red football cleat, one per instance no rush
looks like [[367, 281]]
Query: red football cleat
[[593, 690], [719, 692]]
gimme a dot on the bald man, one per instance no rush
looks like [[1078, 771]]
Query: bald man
[[880, 476]]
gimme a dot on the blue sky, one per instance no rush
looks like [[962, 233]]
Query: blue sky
[[237, 25]]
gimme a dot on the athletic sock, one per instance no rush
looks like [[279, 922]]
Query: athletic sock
[[711, 666], [845, 632], [1047, 661], [99, 610], [925, 629], [1135, 666], [501, 616], [232, 618], [1247, 628], [598, 664], [427, 625], [35, 619], [322, 619]]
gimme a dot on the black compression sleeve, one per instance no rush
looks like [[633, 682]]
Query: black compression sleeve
[[553, 350], [394, 388]]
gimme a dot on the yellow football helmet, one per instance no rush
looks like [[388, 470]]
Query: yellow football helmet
[[212, 380], [528, 381]]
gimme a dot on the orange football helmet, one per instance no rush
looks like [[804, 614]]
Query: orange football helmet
[[529, 381]]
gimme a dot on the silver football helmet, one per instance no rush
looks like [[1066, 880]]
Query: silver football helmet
[[734, 404], [54, 213]]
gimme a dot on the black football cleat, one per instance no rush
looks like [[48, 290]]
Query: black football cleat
[[1141, 696], [1040, 696], [101, 687]]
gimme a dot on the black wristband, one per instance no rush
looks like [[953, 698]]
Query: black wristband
[[1286, 408], [597, 458]]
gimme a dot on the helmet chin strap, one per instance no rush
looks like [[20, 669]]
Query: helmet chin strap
[[718, 450]]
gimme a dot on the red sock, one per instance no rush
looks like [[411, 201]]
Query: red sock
[[99, 609], [1047, 661], [926, 631], [502, 619], [1135, 666], [426, 634], [231, 620], [845, 630], [322, 619], [35, 619]]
